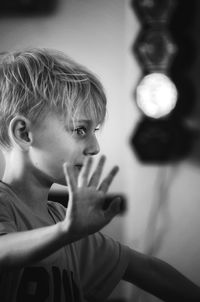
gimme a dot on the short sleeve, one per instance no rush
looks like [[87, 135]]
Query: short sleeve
[[7, 220], [102, 263]]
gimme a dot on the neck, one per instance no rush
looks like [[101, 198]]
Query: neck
[[30, 189]]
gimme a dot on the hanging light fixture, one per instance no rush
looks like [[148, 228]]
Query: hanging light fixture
[[161, 93], [156, 94]]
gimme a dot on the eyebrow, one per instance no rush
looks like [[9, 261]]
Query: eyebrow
[[86, 121]]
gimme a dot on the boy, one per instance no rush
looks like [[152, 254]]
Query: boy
[[50, 109]]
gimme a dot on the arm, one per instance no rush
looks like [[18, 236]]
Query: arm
[[160, 279], [85, 215], [22, 248]]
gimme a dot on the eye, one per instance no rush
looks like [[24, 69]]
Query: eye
[[81, 131], [97, 129]]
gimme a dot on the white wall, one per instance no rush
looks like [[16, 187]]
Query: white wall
[[100, 35]]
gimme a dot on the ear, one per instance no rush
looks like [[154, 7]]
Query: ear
[[20, 132]]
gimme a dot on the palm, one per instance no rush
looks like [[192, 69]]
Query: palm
[[86, 198]]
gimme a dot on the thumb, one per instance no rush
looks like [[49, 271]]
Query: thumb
[[113, 208], [70, 177]]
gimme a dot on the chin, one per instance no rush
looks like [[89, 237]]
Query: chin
[[61, 181]]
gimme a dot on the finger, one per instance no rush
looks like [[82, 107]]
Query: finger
[[113, 209], [85, 171], [108, 180], [94, 181], [109, 199], [70, 177]]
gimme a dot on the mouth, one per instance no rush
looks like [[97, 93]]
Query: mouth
[[79, 167]]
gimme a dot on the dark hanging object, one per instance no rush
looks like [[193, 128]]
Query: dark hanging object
[[24, 7], [159, 47]]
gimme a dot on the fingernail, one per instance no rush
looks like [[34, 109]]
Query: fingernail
[[103, 157], [115, 170], [118, 204]]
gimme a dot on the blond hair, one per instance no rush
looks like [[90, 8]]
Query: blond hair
[[36, 81]]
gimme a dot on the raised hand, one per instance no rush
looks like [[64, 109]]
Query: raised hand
[[86, 213]]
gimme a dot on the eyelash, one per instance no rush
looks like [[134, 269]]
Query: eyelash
[[80, 130]]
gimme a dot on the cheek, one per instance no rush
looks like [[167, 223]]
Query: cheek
[[49, 155], [48, 167], [51, 161]]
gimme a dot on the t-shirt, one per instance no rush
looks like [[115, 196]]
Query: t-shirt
[[86, 270]]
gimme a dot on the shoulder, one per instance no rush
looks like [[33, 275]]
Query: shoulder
[[7, 197], [102, 244], [58, 209], [107, 261], [8, 217]]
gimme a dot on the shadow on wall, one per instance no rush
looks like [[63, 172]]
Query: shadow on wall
[[185, 27]]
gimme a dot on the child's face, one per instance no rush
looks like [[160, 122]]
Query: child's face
[[55, 143]]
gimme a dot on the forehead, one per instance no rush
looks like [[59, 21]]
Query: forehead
[[83, 120], [90, 112], [53, 120]]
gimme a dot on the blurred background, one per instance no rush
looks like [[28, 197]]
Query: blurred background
[[158, 158]]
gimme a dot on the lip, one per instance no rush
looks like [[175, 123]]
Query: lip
[[79, 166]]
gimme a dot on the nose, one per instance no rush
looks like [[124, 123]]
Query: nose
[[92, 146]]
